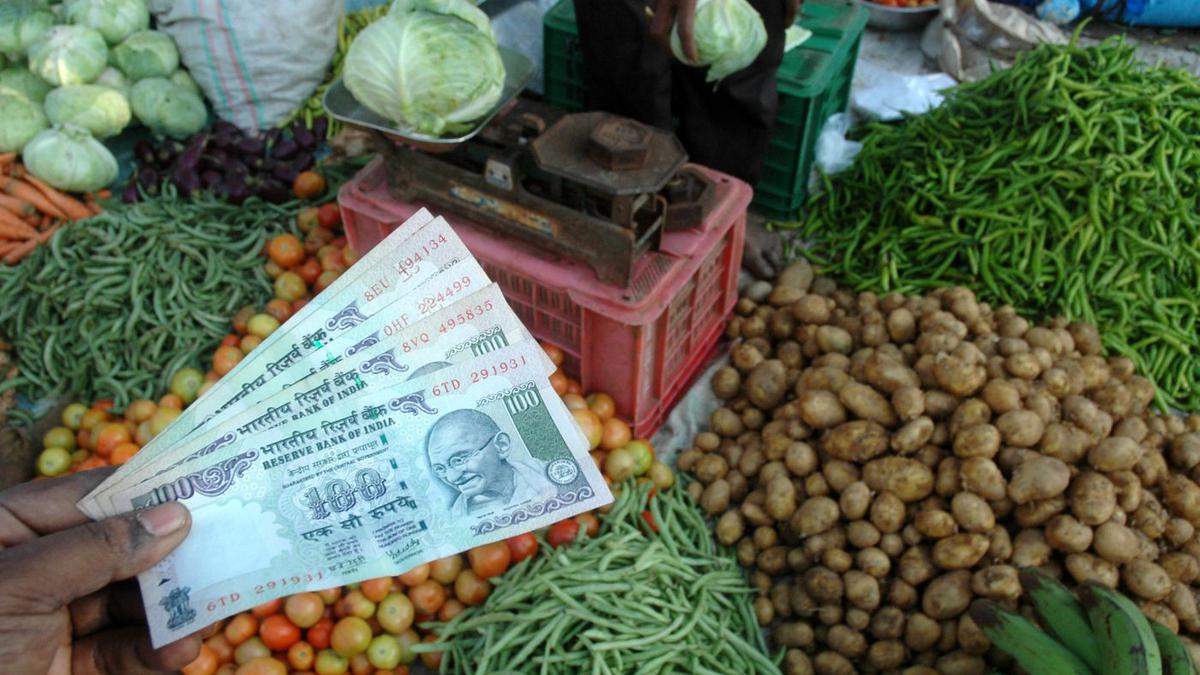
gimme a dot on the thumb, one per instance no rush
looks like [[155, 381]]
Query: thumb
[[82, 560]]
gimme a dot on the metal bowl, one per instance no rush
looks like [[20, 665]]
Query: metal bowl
[[897, 18]]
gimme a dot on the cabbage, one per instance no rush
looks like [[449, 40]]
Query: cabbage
[[102, 111], [114, 79], [115, 19], [431, 65], [22, 23], [69, 158], [146, 53], [166, 108], [69, 55], [22, 120], [729, 35], [182, 79], [18, 81]]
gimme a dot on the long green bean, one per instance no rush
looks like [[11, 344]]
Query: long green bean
[[654, 607], [1064, 185]]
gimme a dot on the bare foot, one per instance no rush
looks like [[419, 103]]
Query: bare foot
[[762, 255]]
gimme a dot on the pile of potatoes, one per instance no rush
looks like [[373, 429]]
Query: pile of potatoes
[[878, 463]]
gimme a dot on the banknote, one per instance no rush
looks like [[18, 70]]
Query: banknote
[[467, 455], [394, 320], [461, 332], [409, 256]]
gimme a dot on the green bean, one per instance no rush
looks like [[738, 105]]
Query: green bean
[[1030, 187]]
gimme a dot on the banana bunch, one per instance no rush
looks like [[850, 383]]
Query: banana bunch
[[1100, 632]]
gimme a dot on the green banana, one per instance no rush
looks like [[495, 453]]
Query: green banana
[[1175, 657], [1061, 615], [1127, 644], [1030, 646]]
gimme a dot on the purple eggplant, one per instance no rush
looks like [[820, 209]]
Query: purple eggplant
[[235, 190], [130, 194], [185, 180], [210, 179], [320, 127], [147, 177], [284, 149], [303, 161], [144, 152], [285, 172], [305, 139], [232, 167], [251, 147], [274, 191]]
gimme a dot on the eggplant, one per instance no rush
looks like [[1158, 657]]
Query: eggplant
[[303, 161], [144, 152], [284, 149], [251, 147], [235, 190], [232, 167], [320, 128], [185, 180], [285, 172], [274, 191], [305, 139], [272, 136], [130, 194], [210, 178], [190, 159], [148, 177], [164, 154]]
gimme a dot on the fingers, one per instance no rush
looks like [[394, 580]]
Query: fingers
[[686, 21], [756, 264], [39, 507], [74, 563], [117, 605], [791, 9], [127, 651], [662, 22]]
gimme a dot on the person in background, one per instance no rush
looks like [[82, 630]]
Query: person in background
[[629, 71], [68, 601]]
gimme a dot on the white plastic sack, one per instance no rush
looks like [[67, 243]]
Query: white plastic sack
[[256, 61], [835, 152], [890, 98]]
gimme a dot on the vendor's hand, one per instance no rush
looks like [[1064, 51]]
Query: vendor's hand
[[63, 609], [791, 9], [762, 253], [669, 12]]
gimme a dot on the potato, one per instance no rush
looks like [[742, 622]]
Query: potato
[[948, 481], [837, 560], [1146, 580], [1129, 490], [912, 436], [1065, 533], [1065, 441], [727, 382], [1038, 478], [1179, 531], [888, 375], [1116, 543], [798, 634], [867, 403], [939, 404], [754, 513], [1185, 450], [901, 325], [715, 498], [781, 498], [1181, 566], [1030, 548], [981, 476], [840, 474], [907, 479], [820, 409], [887, 513], [862, 590], [846, 641], [1087, 416], [1086, 567], [857, 441], [1156, 611], [1000, 545], [997, 582], [972, 512], [730, 528], [977, 440], [970, 412], [1038, 513], [960, 551], [1001, 396], [908, 402], [1020, 428], [773, 561], [823, 585], [958, 377], [935, 523], [833, 339], [921, 633], [862, 534], [812, 309], [726, 423], [1182, 602], [855, 500], [970, 637], [1093, 498], [916, 567], [815, 515], [1182, 497], [800, 459], [766, 385], [961, 663], [832, 663], [947, 596], [1115, 454], [874, 562]]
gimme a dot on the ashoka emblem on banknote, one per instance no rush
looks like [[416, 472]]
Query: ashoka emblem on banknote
[[562, 471]]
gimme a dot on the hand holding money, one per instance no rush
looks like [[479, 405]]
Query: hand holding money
[[403, 416]]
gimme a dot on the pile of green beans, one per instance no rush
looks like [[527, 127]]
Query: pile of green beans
[[1066, 185], [117, 303], [624, 601], [349, 27]]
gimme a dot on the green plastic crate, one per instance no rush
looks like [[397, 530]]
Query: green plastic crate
[[814, 83]]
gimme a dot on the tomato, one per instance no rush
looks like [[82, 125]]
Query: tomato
[[309, 184], [273, 271], [278, 633], [332, 261], [432, 660], [661, 475], [563, 532], [161, 418], [355, 603], [280, 309], [90, 463], [445, 570], [470, 589], [72, 416], [522, 547], [318, 636], [262, 325], [309, 270], [395, 613], [361, 665], [91, 418], [643, 456], [123, 452], [299, 305], [59, 437], [591, 426], [286, 250], [53, 462], [330, 662], [451, 609], [243, 315], [325, 280], [602, 404], [241, 628], [304, 609], [268, 608], [384, 652], [205, 663], [301, 656], [615, 434], [249, 650], [308, 218], [220, 646], [490, 560], [574, 402], [263, 665], [349, 255], [589, 522], [330, 595], [406, 640], [140, 410], [573, 387], [558, 380], [427, 596], [329, 216], [376, 590], [350, 636], [249, 343], [225, 358], [554, 352], [185, 383], [289, 286], [620, 465], [317, 238], [415, 576]]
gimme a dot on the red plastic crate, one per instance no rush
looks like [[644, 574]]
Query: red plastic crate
[[644, 344]]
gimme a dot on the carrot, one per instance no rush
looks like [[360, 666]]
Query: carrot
[[7, 158], [93, 205], [45, 236], [20, 251], [74, 208], [26, 192], [45, 222], [12, 227], [7, 246], [16, 206]]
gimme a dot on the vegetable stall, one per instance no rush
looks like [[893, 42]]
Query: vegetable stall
[[957, 433]]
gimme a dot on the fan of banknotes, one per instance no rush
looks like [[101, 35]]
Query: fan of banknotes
[[403, 415]]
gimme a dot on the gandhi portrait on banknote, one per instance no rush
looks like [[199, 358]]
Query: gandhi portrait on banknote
[[476, 460]]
